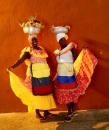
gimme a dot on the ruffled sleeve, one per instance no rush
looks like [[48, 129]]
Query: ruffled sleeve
[[26, 49]]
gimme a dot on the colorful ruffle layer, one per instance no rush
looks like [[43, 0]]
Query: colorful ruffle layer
[[84, 68]]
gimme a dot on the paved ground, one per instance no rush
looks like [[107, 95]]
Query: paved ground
[[85, 120]]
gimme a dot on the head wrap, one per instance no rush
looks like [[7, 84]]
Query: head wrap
[[61, 35]]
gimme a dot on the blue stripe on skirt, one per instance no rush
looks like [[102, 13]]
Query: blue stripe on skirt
[[40, 81], [66, 79]]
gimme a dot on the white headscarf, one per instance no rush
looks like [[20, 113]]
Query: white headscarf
[[61, 35]]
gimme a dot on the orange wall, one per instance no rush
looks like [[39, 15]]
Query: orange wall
[[89, 21]]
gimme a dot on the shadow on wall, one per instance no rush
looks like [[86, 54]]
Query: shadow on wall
[[100, 50]]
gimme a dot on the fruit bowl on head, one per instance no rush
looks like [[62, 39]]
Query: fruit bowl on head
[[60, 29], [31, 30]]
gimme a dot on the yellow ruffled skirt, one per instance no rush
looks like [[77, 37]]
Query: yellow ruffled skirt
[[33, 102]]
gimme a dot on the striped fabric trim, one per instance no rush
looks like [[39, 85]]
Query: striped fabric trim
[[40, 81], [43, 90], [41, 86], [65, 69], [66, 86], [66, 79], [40, 70]]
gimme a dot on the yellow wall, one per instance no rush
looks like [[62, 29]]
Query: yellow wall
[[89, 22]]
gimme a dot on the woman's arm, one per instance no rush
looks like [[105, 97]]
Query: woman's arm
[[74, 52], [25, 56]]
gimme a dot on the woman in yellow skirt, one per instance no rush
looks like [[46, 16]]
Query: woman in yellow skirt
[[36, 90]]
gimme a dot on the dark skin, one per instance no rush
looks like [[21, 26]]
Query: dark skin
[[63, 44], [26, 55]]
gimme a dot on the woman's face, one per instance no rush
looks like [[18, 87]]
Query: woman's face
[[62, 42], [34, 42]]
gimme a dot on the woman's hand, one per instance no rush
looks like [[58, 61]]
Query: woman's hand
[[56, 52], [9, 68]]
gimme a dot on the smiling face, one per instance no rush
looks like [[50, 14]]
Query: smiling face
[[34, 42]]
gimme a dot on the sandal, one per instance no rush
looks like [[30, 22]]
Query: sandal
[[75, 113], [48, 114], [68, 118], [43, 119], [38, 115]]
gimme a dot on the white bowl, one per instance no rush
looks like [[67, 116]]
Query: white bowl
[[31, 30], [60, 29]]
